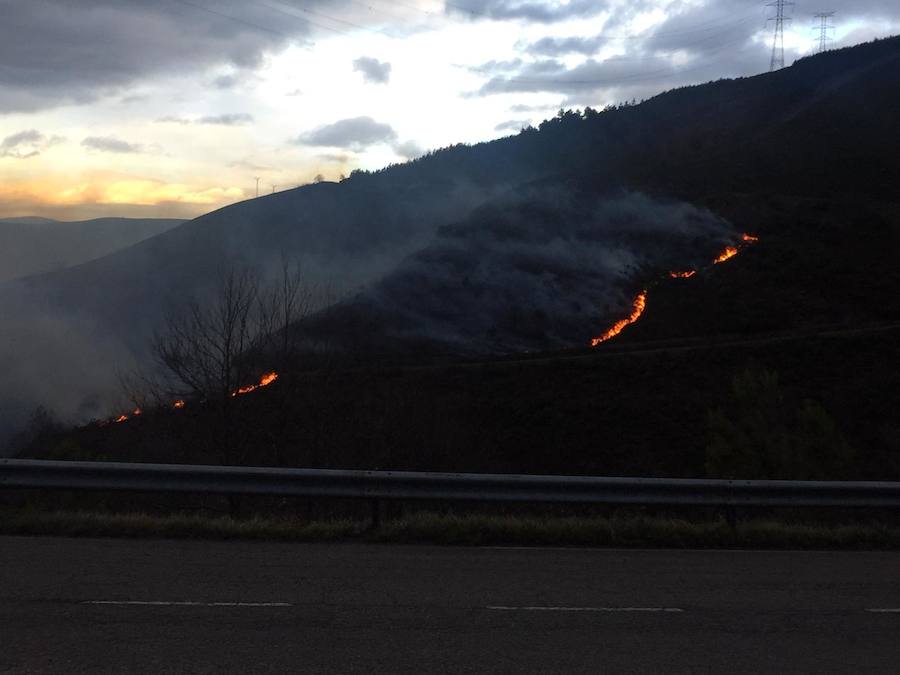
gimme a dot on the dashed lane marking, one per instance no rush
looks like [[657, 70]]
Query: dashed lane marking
[[184, 603]]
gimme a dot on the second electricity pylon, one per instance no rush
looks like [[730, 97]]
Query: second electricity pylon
[[824, 28], [778, 39]]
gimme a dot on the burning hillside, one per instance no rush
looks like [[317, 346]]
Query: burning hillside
[[264, 381], [636, 310], [526, 274], [640, 302]]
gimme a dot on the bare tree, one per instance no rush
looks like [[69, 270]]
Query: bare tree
[[201, 345], [211, 350], [282, 304]]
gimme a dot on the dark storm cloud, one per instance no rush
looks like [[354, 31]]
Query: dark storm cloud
[[110, 144], [356, 133], [25, 144], [535, 12], [55, 52], [373, 70]]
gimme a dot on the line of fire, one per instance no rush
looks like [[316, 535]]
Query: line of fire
[[640, 302], [264, 381], [637, 309]]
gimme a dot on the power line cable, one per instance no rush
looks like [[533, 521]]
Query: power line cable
[[626, 79], [523, 80], [236, 19], [352, 24]]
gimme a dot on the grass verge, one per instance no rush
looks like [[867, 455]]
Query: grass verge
[[464, 530]]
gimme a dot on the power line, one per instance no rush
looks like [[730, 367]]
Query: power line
[[731, 23], [698, 27], [306, 10], [236, 19], [619, 79], [777, 60], [624, 78], [825, 29]]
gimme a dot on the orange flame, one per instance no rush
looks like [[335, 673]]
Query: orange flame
[[264, 381], [729, 252], [636, 310], [749, 238], [683, 275]]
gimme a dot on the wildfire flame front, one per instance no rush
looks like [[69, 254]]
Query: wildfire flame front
[[264, 381], [641, 300], [729, 252], [636, 310]]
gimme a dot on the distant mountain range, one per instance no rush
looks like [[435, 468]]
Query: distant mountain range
[[31, 245], [529, 242]]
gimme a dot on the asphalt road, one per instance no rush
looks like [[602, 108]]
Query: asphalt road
[[144, 606]]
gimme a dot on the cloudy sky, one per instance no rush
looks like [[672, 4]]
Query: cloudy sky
[[175, 107]]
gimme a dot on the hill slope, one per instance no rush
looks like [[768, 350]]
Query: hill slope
[[37, 245], [750, 150]]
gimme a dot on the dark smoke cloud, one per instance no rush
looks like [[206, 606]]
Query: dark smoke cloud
[[67, 333], [66, 364], [543, 271]]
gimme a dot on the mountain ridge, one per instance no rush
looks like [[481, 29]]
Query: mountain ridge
[[694, 144]]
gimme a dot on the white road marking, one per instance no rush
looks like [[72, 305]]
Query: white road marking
[[502, 608], [185, 603], [885, 610]]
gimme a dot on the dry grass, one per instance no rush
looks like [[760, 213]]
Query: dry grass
[[464, 530]]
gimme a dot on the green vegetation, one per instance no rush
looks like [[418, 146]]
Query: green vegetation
[[465, 530], [759, 435]]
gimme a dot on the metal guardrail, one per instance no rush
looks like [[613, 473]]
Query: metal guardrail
[[233, 480]]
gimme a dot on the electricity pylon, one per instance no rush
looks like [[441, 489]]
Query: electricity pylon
[[824, 30], [778, 39]]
